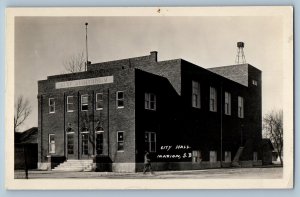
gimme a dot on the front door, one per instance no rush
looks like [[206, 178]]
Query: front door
[[84, 145], [70, 145]]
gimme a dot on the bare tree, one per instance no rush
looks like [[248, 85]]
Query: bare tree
[[75, 63], [273, 128], [22, 111]]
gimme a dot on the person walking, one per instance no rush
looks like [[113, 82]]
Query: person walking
[[147, 164]]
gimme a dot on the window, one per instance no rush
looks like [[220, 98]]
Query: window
[[196, 94], [254, 82], [150, 101], [227, 105], [254, 156], [213, 99], [70, 102], [51, 143], [51, 105], [240, 107], [150, 141], [99, 142], [120, 99], [196, 156], [227, 156], [212, 156], [99, 101], [120, 140], [84, 102], [70, 143]]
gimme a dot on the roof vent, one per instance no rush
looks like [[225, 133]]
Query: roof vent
[[153, 55]]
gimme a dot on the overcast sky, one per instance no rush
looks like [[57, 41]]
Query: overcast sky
[[43, 43]]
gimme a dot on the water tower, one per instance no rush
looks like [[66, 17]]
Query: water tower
[[240, 57]]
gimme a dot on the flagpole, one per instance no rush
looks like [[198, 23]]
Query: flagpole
[[86, 46]]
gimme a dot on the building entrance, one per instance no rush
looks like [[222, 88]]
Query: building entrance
[[70, 145]]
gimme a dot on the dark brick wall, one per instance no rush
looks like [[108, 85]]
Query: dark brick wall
[[176, 122], [206, 126], [162, 121]]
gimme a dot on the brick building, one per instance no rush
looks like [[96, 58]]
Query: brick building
[[186, 116]]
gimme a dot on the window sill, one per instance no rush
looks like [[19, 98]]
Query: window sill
[[150, 109], [120, 151], [120, 107]]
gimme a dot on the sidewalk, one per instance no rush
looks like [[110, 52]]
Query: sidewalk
[[226, 173]]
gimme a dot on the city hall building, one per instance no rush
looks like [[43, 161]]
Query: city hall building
[[185, 116]]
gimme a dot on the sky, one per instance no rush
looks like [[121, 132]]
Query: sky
[[42, 44]]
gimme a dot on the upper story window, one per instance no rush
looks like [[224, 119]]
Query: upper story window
[[51, 105], [120, 99], [213, 99], [196, 94], [99, 101], [254, 82], [84, 102], [150, 101], [70, 103], [240, 107], [227, 105]]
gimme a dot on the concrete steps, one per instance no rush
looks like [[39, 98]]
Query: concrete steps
[[75, 166], [236, 160]]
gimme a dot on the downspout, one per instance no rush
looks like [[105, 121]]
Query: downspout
[[221, 129], [108, 144]]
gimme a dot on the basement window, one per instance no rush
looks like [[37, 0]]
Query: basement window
[[196, 156], [227, 156], [212, 156], [254, 156]]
